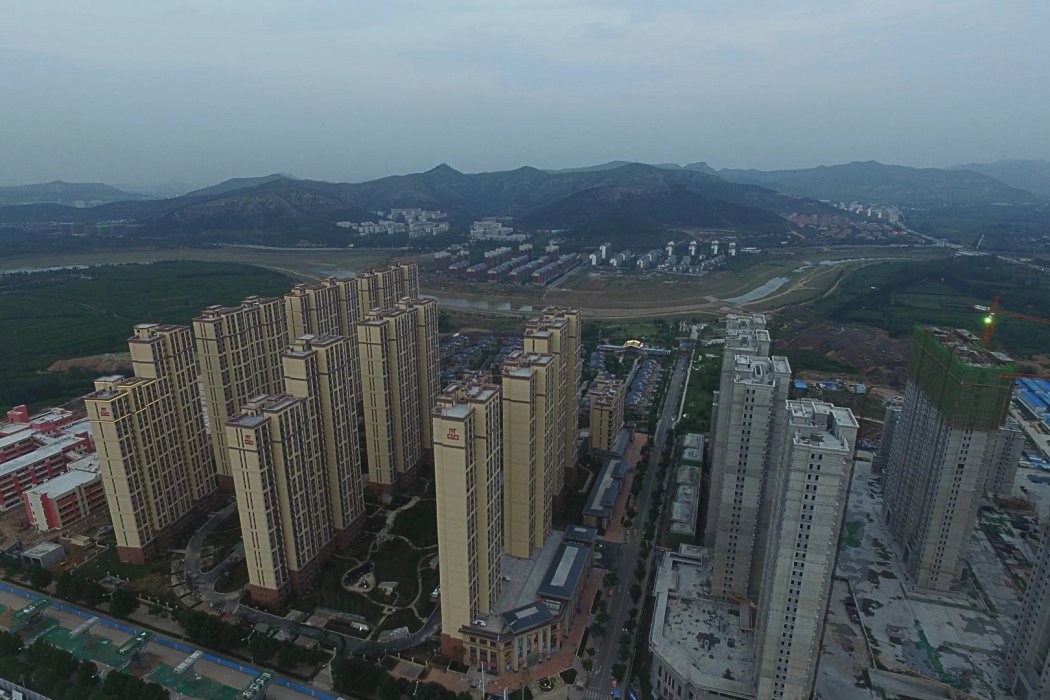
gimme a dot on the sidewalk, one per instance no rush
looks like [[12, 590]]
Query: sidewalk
[[616, 532]]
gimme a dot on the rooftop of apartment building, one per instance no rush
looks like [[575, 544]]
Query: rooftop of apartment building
[[155, 327], [759, 370], [304, 344], [118, 381], [698, 636], [816, 423], [533, 588], [605, 391], [458, 397], [216, 311], [967, 347], [256, 407]]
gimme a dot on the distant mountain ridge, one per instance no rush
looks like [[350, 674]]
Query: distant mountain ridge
[[648, 196], [1030, 175], [66, 193], [871, 182], [617, 194]]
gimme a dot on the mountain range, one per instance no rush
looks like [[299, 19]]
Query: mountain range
[[621, 195], [645, 195]]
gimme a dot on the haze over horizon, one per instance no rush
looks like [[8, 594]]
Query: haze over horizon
[[122, 92]]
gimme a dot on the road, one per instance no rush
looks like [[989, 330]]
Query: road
[[600, 684], [204, 583]]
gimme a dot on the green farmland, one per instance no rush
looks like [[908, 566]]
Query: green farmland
[[896, 296]]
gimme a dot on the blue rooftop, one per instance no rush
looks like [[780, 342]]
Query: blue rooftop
[[606, 489], [527, 616], [581, 534], [565, 571]]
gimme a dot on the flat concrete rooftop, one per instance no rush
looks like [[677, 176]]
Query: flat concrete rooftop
[[697, 635]]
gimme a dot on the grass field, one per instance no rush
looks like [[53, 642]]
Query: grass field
[[303, 264], [896, 296], [50, 316]]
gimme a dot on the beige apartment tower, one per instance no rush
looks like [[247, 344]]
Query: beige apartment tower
[[383, 288], [166, 352], [425, 312], [388, 350], [281, 485], [319, 370], [606, 417], [152, 447], [239, 351], [556, 332], [811, 488], [328, 308], [281, 482], [943, 446], [529, 451], [468, 466]]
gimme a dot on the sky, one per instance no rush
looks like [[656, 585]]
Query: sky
[[126, 91]]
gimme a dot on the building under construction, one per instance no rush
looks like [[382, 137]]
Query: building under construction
[[940, 450]]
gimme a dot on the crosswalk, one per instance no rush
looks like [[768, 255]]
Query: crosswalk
[[593, 694]]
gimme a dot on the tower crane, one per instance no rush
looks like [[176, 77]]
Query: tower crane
[[991, 318]]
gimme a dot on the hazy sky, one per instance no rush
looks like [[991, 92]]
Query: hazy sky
[[148, 91]]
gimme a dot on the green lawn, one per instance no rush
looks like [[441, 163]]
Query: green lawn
[[397, 561], [699, 393], [418, 523], [329, 593], [107, 563], [50, 316], [233, 579]]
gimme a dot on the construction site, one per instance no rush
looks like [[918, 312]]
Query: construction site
[[884, 638]]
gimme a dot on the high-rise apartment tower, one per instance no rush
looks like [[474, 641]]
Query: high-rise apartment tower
[[943, 445], [529, 451], [152, 446], [468, 467], [811, 489]]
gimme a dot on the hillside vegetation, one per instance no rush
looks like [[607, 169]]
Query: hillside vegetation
[[74, 313]]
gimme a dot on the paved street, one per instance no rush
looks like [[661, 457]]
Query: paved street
[[600, 685]]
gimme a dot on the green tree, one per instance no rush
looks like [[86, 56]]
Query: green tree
[[87, 673], [92, 593], [39, 577], [122, 601], [10, 644]]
